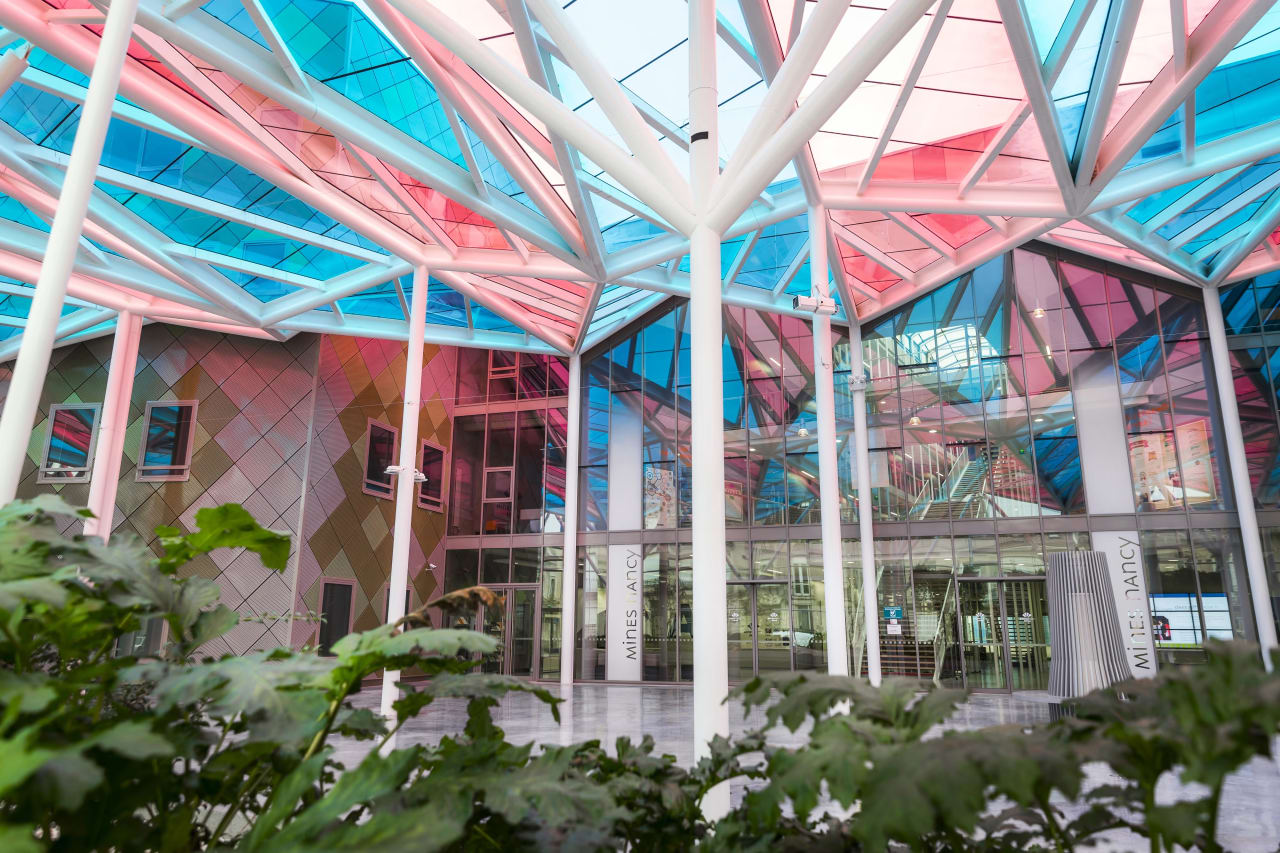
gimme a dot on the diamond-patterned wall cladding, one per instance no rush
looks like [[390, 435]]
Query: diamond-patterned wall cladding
[[346, 532], [270, 416], [250, 447]]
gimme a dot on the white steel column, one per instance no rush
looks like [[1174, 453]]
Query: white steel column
[[569, 575], [60, 251], [1254, 562], [406, 481], [828, 468], [114, 422], [706, 408], [866, 535]]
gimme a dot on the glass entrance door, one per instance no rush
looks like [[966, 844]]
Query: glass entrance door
[[1004, 632], [760, 636], [982, 634], [513, 623], [1027, 611]]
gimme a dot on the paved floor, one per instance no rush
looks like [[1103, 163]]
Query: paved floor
[[1251, 812]]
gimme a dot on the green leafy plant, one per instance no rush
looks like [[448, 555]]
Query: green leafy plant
[[101, 749]]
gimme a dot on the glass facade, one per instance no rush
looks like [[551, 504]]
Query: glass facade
[[506, 501], [1014, 412]]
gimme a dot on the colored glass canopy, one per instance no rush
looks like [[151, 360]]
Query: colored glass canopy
[[277, 166]]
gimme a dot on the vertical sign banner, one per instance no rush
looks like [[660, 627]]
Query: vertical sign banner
[[624, 619], [1133, 605], [624, 652]]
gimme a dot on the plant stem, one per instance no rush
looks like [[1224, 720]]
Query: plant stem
[[245, 790], [318, 740]]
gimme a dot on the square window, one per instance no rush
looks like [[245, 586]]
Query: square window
[[431, 464], [166, 441], [380, 451], [68, 449]]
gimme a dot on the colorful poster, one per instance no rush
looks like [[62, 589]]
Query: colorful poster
[[659, 497], [735, 502]]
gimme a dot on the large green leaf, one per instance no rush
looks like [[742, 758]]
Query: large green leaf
[[258, 683], [225, 526], [31, 692], [19, 839], [374, 777], [20, 756]]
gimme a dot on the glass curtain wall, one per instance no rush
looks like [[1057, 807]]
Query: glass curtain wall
[[506, 500], [975, 456], [976, 453]]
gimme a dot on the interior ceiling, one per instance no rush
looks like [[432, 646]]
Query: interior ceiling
[[276, 166]]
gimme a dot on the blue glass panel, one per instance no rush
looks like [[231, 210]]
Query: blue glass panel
[[334, 42], [495, 174], [232, 13], [1241, 217], [483, 318], [629, 232], [262, 289], [1241, 93], [445, 307], [1156, 202], [1240, 309], [1071, 91], [33, 113], [16, 211], [1216, 199], [773, 253], [1244, 90], [1046, 18]]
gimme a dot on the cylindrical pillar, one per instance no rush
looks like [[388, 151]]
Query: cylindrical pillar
[[60, 251], [114, 421], [1254, 561], [569, 584], [866, 533], [828, 468], [706, 410], [406, 482]]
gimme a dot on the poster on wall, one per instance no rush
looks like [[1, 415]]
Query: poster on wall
[[1155, 471], [1196, 476], [659, 496], [735, 502]]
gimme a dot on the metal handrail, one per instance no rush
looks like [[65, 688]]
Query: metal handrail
[[938, 656]]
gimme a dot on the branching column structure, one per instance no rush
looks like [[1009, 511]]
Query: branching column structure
[[115, 420], [1254, 560], [64, 241], [406, 474], [569, 574], [706, 441], [828, 470]]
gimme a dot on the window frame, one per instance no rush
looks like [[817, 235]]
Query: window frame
[[424, 502], [351, 612], [44, 474], [141, 474], [375, 491]]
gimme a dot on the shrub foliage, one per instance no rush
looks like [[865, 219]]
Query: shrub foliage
[[103, 750]]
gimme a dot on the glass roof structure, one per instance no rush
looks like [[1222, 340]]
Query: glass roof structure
[[278, 166]]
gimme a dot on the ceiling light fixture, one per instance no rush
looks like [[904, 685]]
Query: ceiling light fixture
[[914, 420], [1038, 313]]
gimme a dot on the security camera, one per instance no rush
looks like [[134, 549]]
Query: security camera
[[814, 305]]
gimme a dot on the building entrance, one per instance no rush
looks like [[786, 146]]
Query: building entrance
[[760, 635], [1004, 634], [513, 623]]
